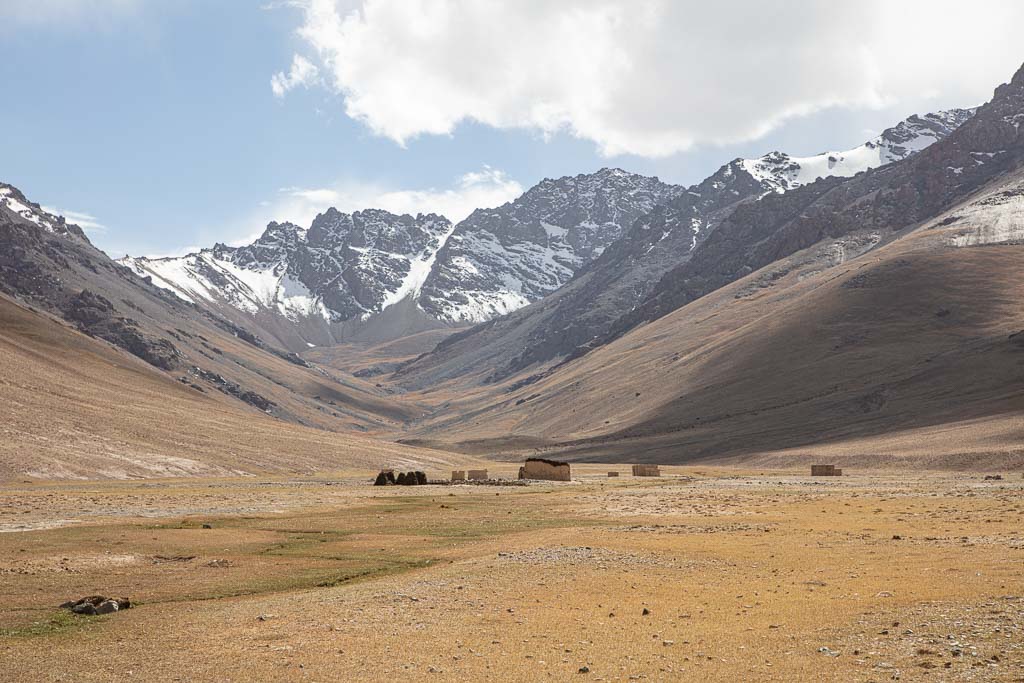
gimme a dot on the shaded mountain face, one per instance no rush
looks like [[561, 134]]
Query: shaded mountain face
[[626, 272], [878, 203], [913, 351]]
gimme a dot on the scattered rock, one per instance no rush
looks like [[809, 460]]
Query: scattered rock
[[97, 604], [219, 564]]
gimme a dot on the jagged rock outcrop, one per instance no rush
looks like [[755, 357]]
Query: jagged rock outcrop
[[499, 260]]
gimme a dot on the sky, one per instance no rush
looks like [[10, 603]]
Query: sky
[[162, 127]]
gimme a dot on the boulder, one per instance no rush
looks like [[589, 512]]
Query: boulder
[[97, 604], [107, 607]]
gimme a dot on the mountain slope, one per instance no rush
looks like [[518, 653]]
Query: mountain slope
[[626, 272], [308, 287], [498, 260], [870, 317], [373, 276], [782, 172], [74, 407], [913, 353], [884, 200], [51, 266]]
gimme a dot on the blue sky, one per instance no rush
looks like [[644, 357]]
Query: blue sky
[[158, 118]]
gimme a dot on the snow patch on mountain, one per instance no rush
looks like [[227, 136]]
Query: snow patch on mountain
[[12, 200], [501, 259], [419, 269], [780, 172], [205, 277], [343, 267]]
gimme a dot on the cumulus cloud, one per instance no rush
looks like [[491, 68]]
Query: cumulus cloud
[[651, 77], [302, 72], [486, 188]]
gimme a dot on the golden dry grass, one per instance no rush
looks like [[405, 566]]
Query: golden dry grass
[[73, 407], [745, 575]]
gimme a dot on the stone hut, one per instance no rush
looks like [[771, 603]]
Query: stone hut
[[646, 471], [458, 475], [476, 475], [547, 470], [825, 471]]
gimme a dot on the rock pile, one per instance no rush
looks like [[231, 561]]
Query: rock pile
[[97, 604]]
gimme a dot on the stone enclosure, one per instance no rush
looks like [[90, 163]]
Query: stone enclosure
[[546, 470]]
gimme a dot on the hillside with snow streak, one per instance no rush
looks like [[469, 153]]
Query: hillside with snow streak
[[343, 268], [780, 171]]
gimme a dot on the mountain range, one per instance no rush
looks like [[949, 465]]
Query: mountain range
[[866, 299], [332, 281]]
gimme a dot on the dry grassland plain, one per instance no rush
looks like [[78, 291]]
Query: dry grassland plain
[[703, 574]]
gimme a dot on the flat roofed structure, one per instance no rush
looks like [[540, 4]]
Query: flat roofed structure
[[546, 470]]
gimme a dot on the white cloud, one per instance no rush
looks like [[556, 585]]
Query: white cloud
[[87, 222], [303, 72], [652, 77], [486, 188]]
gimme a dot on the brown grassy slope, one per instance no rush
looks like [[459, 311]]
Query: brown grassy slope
[[376, 358], [71, 406], [904, 350], [54, 271]]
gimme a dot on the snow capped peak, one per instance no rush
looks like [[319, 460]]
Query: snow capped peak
[[345, 266], [501, 259], [15, 204], [780, 172]]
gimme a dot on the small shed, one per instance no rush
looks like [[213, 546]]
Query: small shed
[[646, 471], [825, 471], [547, 470], [613, 474], [476, 475], [458, 475]]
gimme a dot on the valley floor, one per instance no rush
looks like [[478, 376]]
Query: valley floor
[[704, 574]]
